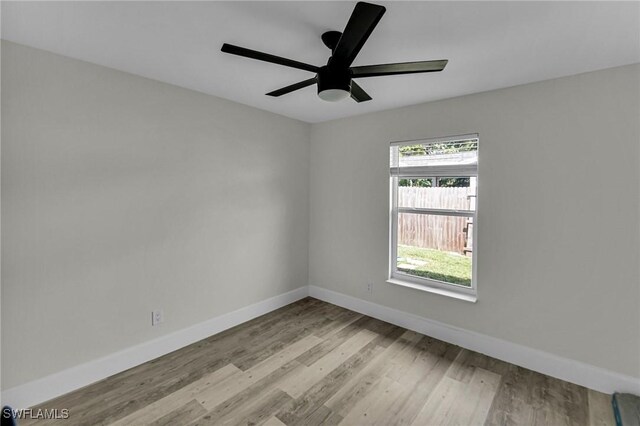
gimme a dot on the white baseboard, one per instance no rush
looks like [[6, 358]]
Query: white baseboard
[[543, 362], [54, 385]]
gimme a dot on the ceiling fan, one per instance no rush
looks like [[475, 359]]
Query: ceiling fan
[[335, 79]]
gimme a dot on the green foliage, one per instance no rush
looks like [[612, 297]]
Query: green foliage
[[458, 182], [425, 183], [438, 148], [408, 150], [447, 182]]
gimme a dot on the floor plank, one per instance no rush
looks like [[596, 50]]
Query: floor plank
[[362, 383], [177, 399], [186, 413], [304, 408], [273, 421], [433, 361], [212, 396], [372, 407], [442, 404], [297, 385], [478, 396], [600, 409]]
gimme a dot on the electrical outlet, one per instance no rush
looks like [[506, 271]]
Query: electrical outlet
[[157, 317], [370, 287]]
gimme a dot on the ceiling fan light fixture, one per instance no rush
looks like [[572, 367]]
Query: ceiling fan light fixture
[[334, 84], [333, 95]]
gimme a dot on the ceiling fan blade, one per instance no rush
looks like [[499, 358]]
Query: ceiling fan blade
[[399, 68], [363, 20], [254, 54], [292, 87], [358, 94]]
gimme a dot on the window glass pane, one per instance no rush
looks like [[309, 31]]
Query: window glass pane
[[436, 154], [436, 247], [451, 193]]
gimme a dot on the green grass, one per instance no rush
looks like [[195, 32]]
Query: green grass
[[438, 265]]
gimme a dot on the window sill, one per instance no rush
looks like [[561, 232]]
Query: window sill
[[443, 292]]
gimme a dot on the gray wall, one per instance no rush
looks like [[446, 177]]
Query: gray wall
[[121, 195], [558, 216]]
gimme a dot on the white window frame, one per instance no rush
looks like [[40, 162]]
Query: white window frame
[[457, 291]]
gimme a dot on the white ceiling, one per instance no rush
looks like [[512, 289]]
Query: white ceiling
[[489, 45]]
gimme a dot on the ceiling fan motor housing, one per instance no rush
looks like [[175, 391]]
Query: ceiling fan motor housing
[[330, 78]]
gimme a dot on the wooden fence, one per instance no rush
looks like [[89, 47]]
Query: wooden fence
[[447, 233]]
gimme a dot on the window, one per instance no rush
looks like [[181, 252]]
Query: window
[[433, 214]]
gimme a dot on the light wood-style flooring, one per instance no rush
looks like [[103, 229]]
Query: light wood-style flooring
[[313, 363]]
